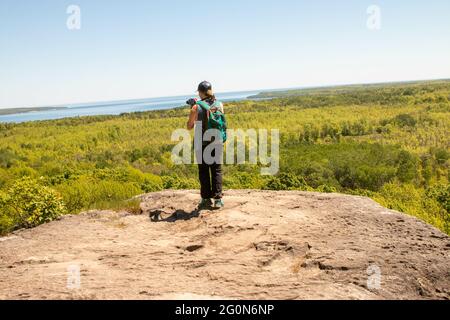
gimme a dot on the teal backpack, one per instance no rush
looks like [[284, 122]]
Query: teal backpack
[[216, 119]]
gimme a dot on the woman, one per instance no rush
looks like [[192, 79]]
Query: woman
[[210, 175]]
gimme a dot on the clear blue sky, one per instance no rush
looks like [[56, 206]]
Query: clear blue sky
[[142, 48]]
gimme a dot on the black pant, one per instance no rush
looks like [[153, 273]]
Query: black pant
[[210, 176]]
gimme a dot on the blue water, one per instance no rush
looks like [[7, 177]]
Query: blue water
[[115, 107]]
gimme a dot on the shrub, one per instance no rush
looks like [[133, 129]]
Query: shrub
[[409, 199], [407, 166], [29, 203], [326, 189], [405, 120], [317, 174], [244, 180], [6, 222], [287, 181], [176, 183], [5, 177], [90, 193], [441, 155], [373, 178], [7, 157], [152, 183], [441, 193]]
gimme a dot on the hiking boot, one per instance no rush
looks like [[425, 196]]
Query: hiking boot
[[218, 203], [205, 203]]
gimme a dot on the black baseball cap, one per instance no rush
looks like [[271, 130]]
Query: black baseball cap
[[204, 86]]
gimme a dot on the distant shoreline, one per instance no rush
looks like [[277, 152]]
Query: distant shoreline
[[9, 111], [262, 94], [279, 93], [19, 115]]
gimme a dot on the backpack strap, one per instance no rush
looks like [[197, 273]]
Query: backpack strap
[[217, 105], [204, 105], [206, 114]]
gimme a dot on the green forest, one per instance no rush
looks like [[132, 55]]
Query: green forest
[[389, 142]]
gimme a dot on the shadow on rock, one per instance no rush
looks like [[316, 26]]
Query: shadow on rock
[[162, 216]]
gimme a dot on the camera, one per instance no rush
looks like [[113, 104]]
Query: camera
[[191, 102]]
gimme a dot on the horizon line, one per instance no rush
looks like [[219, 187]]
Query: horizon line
[[65, 105]]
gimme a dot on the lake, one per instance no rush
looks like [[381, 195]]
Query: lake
[[115, 107]]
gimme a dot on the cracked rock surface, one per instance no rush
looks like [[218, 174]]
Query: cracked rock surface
[[262, 245]]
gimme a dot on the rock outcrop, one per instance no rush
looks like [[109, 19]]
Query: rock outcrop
[[262, 245]]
